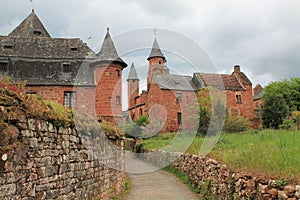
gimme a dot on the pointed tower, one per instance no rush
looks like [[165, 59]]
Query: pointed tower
[[31, 26], [108, 68], [133, 86], [156, 63]]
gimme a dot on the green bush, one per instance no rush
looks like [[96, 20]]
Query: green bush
[[142, 120], [132, 130], [235, 124], [287, 124], [204, 120]]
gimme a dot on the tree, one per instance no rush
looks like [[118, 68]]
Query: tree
[[204, 107], [274, 111], [204, 119], [288, 89], [281, 99]]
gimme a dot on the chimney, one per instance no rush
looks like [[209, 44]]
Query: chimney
[[237, 68]]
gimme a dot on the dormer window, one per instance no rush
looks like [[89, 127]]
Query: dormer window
[[8, 46], [37, 33], [66, 68], [3, 67], [74, 49]]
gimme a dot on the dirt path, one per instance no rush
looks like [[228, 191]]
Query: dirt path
[[149, 183]]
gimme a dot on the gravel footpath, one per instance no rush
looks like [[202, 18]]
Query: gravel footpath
[[150, 183]]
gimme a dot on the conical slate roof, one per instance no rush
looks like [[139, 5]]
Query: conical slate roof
[[156, 52], [108, 52], [31, 26], [132, 74]]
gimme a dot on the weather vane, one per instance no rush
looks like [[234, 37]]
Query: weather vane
[[32, 1], [155, 32]]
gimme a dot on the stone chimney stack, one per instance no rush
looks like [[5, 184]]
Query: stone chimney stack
[[237, 68]]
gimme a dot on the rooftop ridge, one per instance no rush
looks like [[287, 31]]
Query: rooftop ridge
[[31, 26]]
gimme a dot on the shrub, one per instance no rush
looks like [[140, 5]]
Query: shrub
[[204, 119], [142, 120], [235, 124], [287, 124], [132, 130]]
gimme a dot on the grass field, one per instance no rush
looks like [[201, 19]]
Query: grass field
[[273, 153]]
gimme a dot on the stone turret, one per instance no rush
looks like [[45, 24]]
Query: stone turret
[[156, 63], [108, 68], [133, 86]]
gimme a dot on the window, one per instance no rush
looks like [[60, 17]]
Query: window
[[3, 66], [187, 99], [141, 112], [118, 73], [70, 99], [66, 67], [178, 97], [37, 33], [31, 93], [74, 49], [179, 118], [118, 100], [238, 99], [8, 46]]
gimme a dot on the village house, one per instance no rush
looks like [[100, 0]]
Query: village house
[[64, 70], [175, 94]]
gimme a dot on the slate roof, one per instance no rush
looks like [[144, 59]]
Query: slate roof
[[155, 51], [244, 78], [108, 52], [259, 95], [42, 60], [31, 26], [29, 53], [220, 81], [174, 82], [132, 73], [43, 47]]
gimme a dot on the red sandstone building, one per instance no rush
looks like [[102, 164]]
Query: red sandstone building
[[172, 96], [63, 70], [68, 72]]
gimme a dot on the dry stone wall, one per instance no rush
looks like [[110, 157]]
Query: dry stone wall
[[46, 162], [219, 181]]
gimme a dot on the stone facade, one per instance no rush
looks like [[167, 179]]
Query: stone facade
[[219, 181], [54, 163]]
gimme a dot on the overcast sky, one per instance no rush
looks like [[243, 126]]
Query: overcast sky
[[263, 37]]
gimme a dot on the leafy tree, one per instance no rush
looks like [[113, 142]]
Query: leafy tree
[[274, 111], [204, 108], [281, 99], [288, 89], [204, 119]]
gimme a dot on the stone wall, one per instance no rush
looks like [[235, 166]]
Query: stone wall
[[45, 162], [219, 181]]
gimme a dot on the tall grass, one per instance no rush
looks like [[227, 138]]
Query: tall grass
[[274, 153]]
